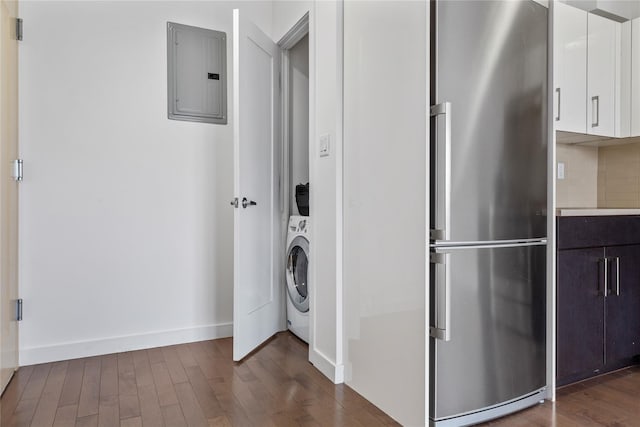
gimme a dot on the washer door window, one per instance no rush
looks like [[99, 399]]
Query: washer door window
[[297, 266]]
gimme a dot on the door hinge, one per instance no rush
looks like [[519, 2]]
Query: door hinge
[[17, 170], [19, 309], [19, 29]]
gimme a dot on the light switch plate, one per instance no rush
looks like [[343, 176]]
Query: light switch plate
[[325, 145], [560, 170]]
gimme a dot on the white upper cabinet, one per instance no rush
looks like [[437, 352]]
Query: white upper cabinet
[[601, 75], [570, 68], [635, 80], [592, 74]]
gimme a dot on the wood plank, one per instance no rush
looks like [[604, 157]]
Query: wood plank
[[155, 355], [66, 416], [126, 375], [164, 385], [129, 406], [36, 382], [109, 376], [88, 421], [173, 417], [189, 403], [89, 401], [185, 356], [176, 370], [150, 406], [131, 422], [142, 367], [13, 392], [45, 414], [109, 410], [206, 397], [23, 413], [72, 383]]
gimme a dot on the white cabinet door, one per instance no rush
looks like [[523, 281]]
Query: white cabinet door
[[635, 77], [570, 68], [601, 81]]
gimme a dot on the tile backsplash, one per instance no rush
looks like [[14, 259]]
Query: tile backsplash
[[579, 188], [619, 176], [605, 177]]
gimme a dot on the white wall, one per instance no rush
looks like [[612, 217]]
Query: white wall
[[385, 140], [125, 225], [299, 104]]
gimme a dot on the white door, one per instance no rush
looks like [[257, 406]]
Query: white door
[[601, 72], [570, 68], [8, 191], [257, 294]]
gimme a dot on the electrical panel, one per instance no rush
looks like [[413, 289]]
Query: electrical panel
[[197, 74]]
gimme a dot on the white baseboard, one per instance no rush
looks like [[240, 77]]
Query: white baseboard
[[325, 365], [88, 348]]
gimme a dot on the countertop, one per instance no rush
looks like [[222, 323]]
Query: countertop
[[595, 211]]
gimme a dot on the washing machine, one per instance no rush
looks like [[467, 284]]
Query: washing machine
[[296, 274]]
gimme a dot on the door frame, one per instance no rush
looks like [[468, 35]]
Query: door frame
[[296, 33]]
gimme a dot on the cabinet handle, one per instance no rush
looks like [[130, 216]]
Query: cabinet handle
[[595, 108], [605, 262], [558, 116], [617, 275]]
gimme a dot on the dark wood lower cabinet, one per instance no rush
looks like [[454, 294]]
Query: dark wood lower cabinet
[[622, 308], [598, 314], [580, 316]]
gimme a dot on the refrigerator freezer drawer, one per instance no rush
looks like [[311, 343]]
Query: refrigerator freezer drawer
[[496, 327]]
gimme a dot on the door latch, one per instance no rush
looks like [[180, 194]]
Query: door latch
[[234, 202]]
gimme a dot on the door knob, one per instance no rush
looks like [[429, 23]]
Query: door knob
[[246, 202]]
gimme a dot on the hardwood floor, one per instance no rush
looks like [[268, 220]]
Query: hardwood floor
[[186, 385], [609, 400], [198, 385]]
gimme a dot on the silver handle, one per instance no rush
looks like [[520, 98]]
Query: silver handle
[[246, 202], [558, 116], [442, 229], [595, 108], [442, 328], [234, 202], [617, 275]]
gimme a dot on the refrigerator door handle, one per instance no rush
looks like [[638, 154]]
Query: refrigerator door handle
[[442, 229], [442, 329]]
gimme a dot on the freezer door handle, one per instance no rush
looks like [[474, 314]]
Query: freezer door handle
[[442, 230], [442, 313]]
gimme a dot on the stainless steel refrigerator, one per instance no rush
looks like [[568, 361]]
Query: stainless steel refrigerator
[[488, 192]]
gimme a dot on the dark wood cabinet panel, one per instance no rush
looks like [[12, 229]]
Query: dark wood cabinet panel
[[622, 305], [580, 316], [597, 231], [597, 333]]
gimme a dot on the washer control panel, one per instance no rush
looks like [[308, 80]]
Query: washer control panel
[[298, 224]]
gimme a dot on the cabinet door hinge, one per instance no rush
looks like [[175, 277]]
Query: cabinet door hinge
[[17, 170], [19, 29], [19, 309]]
